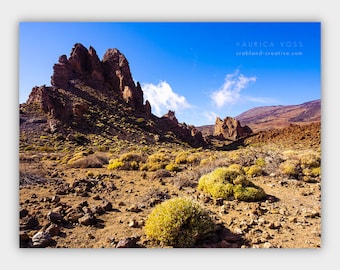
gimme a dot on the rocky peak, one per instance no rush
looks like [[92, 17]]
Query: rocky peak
[[111, 76], [170, 118], [230, 128], [190, 134]]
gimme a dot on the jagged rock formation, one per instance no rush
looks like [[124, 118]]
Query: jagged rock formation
[[111, 76], [183, 131], [230, 128], [92, 96]]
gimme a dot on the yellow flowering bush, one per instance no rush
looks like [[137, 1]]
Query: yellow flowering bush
[[178, 222]]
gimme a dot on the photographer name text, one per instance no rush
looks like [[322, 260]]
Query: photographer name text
[[270, 44]]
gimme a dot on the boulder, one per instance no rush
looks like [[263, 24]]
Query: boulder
[[230, 128]]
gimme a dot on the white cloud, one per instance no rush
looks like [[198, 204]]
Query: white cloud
[[163, 99], [229, 92], [211, 116]]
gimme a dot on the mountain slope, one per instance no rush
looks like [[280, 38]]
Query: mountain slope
[[89, 96], [263, 118], [269, 117]]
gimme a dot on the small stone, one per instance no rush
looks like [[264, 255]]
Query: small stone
[[274, 225], [98, 210], [107, 205], [238, 231], [29, 223], [91, 236], [261, 221], [121, 204], [55, 217], [268, 245], [23, 213], [134, 208], [133, 224], [96, 197], [53, 230], [87, 219], [130, 242], [55, 199], [223, 210], [41, 239], [219, 201]]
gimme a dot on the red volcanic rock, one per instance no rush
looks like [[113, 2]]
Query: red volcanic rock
[[111, 76], [47, 99], [230, 128], [189, 134], [119, 76], [170, 119], [83, 65], [93, 95], [147, 109]]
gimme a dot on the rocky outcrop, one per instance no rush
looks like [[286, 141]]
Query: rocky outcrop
[[93, 95], [183, 132], [83, 80], [112, 75], [230, 128]]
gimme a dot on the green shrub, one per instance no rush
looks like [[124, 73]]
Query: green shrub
[[222, 175], [310, 160], [127, 161], [131, 157], [242, 180], [254, 170], [237, 168], [221, 190], [140, 120], [172, 167], [248, 194], [228, 182], [115, 164], [194, 159], [260, 162], [182, 157], [290, 168], [157, 157], [155, 162], [316, 171], [133, 165], [178, 222]]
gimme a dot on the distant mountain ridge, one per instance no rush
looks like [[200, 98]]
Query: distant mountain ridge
[[268, 117], [280, 116]]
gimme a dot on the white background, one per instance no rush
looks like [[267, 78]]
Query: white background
[[12, 12]]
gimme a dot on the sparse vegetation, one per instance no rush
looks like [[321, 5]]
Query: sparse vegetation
[[156, 162], [254, 170], [301, 165], [127, 161], [172, 167], [113, 173], [178, 222], [230, 182], [290, 168], [115, 164]]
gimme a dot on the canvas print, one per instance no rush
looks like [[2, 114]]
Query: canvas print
[[169, 135]]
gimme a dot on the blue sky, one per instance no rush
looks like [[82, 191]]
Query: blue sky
[[198, 69]]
